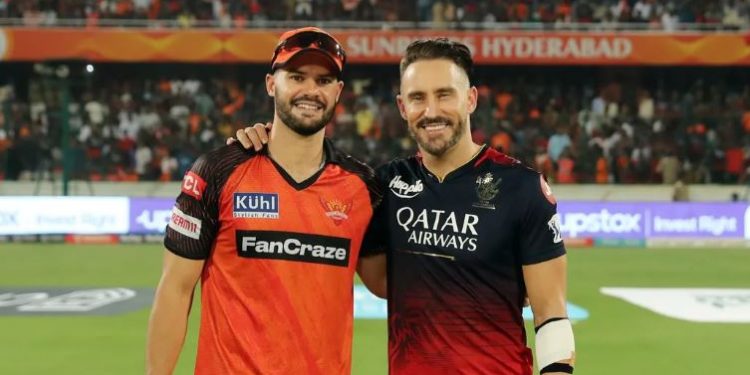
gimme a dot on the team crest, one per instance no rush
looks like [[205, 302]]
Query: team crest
[[554, 225], [337, 209], [487, 189]]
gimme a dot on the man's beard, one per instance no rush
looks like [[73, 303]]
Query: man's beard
[[284, 110], [439, 147]]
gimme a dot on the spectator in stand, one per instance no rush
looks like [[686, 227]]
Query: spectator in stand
[[656, 13], [558, 143], [566, 168], [669, 167], [128, 123]]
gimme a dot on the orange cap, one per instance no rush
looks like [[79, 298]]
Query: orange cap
[[308, 39]]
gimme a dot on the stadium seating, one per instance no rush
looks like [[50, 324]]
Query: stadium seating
[[575, 124]]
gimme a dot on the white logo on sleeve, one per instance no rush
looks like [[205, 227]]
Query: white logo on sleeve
[[185, 224], [554, 226], [404, 190]]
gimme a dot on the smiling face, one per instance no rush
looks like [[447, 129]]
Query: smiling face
[[436, 101], [305, 93]]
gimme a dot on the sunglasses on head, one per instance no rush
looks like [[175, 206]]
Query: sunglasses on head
[[307, 39]]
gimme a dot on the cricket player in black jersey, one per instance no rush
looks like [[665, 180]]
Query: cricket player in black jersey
[[469, 232]]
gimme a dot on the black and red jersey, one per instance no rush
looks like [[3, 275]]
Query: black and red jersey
[[276, 289], [455, 254]]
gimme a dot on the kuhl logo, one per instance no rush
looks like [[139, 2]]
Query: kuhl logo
[[256, 205], [402, 189]]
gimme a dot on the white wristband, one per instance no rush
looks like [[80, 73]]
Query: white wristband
[[554, 342]]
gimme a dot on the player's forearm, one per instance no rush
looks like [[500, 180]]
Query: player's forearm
[[167, 328], [372, 271], [377, 287], [552, 307]]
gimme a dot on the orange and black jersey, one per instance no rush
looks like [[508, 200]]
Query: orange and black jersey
[[455, 254], [280, 260]]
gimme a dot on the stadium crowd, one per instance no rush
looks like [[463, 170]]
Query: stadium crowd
[[657, 14], [614, 128]]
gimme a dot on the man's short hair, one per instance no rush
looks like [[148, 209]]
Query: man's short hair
[[439, 48]]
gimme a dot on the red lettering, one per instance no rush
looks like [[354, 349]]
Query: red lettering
[[184, 223], [546, 190], [193, 185]]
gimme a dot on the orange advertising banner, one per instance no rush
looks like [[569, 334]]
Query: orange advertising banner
[[363, 46]]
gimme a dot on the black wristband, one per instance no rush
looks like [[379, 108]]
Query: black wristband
[[557, 367]]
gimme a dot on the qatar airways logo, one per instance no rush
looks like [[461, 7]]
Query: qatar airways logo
[[439, 228], [403, 189], [601, 222]]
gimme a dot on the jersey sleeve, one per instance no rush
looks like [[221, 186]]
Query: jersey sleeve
[[541, 237], [376, 237], [194, 222]]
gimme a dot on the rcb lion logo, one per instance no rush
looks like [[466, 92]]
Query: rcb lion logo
[[487, 189], [336, 209]]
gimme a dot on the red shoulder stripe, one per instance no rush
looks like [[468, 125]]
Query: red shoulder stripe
[[496, 157]]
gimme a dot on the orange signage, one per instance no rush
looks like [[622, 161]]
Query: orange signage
[[488, 47]]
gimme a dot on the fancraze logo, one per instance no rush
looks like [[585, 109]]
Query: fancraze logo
[[293, 246]]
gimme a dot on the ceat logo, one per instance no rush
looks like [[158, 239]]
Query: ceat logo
[[193, 185], [547, 190]]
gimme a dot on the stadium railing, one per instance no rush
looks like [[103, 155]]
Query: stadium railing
[[375, 25]]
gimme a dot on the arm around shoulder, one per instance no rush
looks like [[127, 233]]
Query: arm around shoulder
[[372, 271]]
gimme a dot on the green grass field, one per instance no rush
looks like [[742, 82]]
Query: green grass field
[[618, 338]]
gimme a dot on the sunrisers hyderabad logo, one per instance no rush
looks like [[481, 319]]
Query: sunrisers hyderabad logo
[[336, 209]]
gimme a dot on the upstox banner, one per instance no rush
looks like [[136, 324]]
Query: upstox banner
[[631, 220], [654, 220], [600, 220], [63, 215], [150, 215]]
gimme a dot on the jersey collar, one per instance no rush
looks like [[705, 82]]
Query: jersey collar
[[466, 167]]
